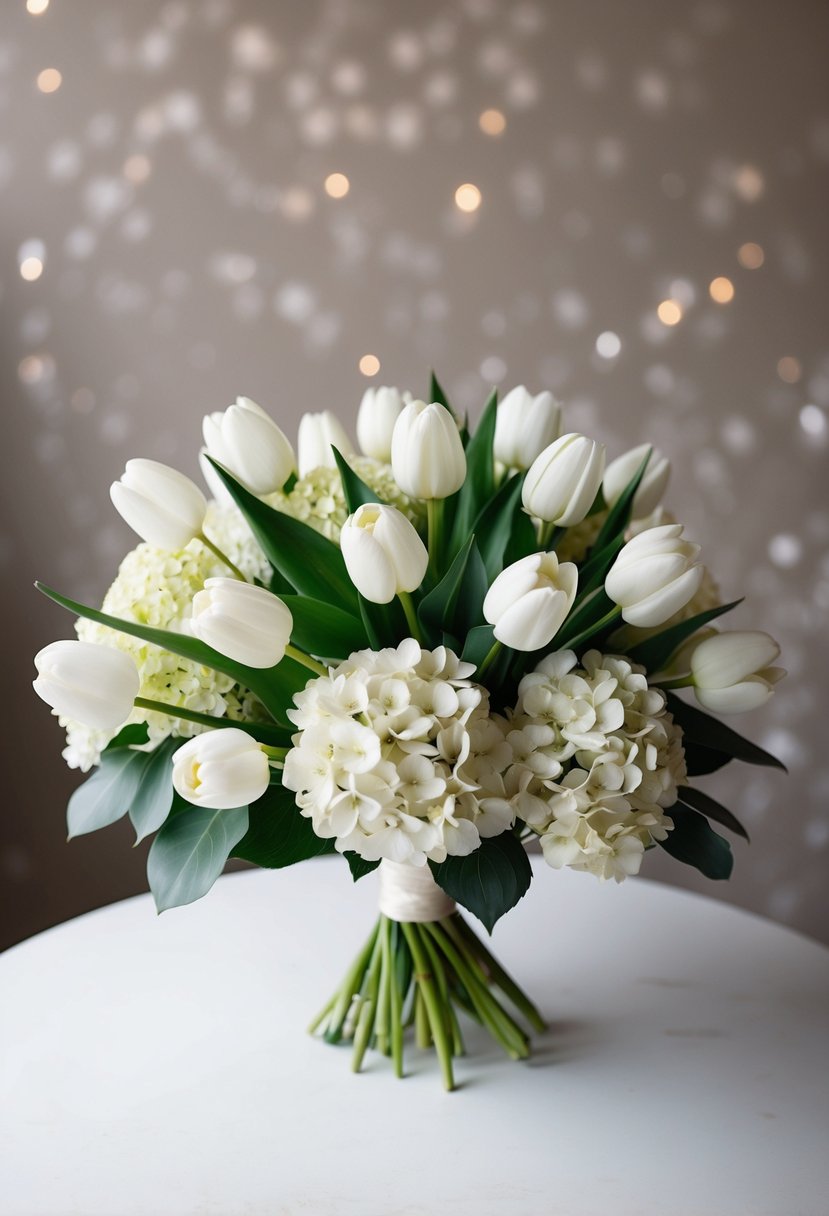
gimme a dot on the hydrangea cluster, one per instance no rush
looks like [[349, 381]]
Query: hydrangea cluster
[[319, 501], [156, 587], [398, 757], [596, 759]]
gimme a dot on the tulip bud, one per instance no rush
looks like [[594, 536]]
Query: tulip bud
[[620, 472], [379, 410], [96, 685], [163, 506], [427, 456], [529, 601], [221, 769], [249, 444], [563, 481], [524, 426], [243, 622], [732, 672], [318, 433], [383, 553], [654, 576]]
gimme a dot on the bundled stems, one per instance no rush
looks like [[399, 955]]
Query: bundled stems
[[417, 975]]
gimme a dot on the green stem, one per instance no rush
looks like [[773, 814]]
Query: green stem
[[424, 978], [549, 535], [275, 753], [497, 973], [396, 1004], [299, 656], [490, 659], [566, 643], [411, 614], [368, 1010], [205, 540], [434, 519], [677, 682], [259, 730]]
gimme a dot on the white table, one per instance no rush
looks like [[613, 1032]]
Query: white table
[[159, 1066]]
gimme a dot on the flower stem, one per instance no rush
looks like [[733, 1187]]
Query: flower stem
[[677, 682], [490, 659], [411, 614], [299, 656], [549, 535], [425, 982], [497, 973], [259, 730], [205, 540], [573, 643], [434, 519]]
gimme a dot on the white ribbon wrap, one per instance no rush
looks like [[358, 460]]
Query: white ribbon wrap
[[410, 893]]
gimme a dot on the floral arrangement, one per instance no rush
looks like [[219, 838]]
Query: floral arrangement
[[421, 658]]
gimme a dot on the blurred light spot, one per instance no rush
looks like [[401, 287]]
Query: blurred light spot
[[297, 203], [49, 80], [405, 50], [493, 369], [785, 550], [36, 7], [721, 290], [669, 312], [337, 185], [253, 49], [233, 268], [31, 369], [349, 77], [492, 122], [570, 309], [137, 168], [295, 302], [683, 292], [369, 365], [404, 125], [751, 255], [652, 90], [659, 379], [608, 345], [789, 369], [467, 197], [813, 421], [739, 435], [31, 269], [749, 183]]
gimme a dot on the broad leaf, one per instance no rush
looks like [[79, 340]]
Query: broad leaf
[[312, 564], [593, 573], [695, 843], [154, 798], [190, 852], [618, 516], [479, 486], [324, 630], [454, 604], [705, 804], [436, 394], [274, 686], [655, 652], [700, 728], [108, 794], [489, 881], [479, 642], [356, 492], [701, 760], [495, 525], [358, 866], [584, 616], [523, 539], [134, 735], [278, 835]]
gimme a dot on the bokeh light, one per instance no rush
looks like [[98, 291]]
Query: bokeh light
[[721, 290], [369, 365], [467, 197], [49, 80], [337, 185]]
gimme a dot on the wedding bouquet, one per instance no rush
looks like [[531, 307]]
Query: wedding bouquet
[[421, 658]]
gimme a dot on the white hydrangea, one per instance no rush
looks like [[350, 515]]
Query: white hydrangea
[[597, 758], [397, 756], [156, 587], [318, 499]]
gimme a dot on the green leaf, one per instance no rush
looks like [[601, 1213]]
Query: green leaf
[[154, 798], [437, 394], [593, 608], [489, 881], [358, 866], [108, 794], [479, 642], [134, 735], [593, 573], [190, 852], [618, 517], [356, 492], [695, 843], [323, 629], [700, 728], [274, 686], [479, 486], [278, 835], [495, 525], [454, 606], [705, 804], [701, 760], [312, 564], [523, 540], [655, 651]]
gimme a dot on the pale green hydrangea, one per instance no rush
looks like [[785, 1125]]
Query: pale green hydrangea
[[318, 500]]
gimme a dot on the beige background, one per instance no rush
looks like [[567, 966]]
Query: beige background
[[175, 181]]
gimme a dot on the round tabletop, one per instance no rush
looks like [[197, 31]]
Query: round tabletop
[[159, 1066]]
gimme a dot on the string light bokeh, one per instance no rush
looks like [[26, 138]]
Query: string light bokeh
[[203, 198]]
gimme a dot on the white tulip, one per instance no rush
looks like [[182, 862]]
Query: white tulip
[[96, 685], [427, 456], [654, 576], [318, 433], [163, 506], [529, 600], [383, 553], [524, 426], [243, 622], [563, 481], [221, 769], [215, 485], [379, 410], [732, 671], [621, 471], [249, 444]]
